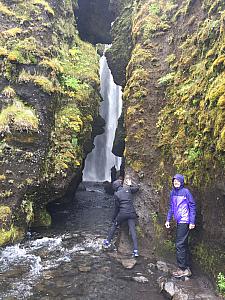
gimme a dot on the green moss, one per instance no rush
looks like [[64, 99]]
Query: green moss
[[41, 218], [193, 119], [3, 51], [27, 208], [2, 177], [5, 213], [67, 151], [12, 32], [5, 10], [168, 78], [9, 92], [8, 233], [152, 19], [140, 232], [18, 117], [11, 235], [45, 5], [170, 58], [136, 165], [5, 194], [210, 258], [53, 64], [221, 283]]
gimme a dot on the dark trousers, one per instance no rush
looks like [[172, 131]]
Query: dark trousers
[[182, 245], [131, 220]]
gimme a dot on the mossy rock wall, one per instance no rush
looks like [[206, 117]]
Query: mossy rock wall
[[174, 112], [49, 97], [119, 54]]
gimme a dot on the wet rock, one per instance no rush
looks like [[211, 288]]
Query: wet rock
[[184, 289], [152, 266], [170, 288], [84, 268], [162, 266], [140, 279], [61, 283], [128, 263], [81, 187], [206, 296]]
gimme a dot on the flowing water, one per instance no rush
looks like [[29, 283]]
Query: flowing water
[[67, 261], [99, 162]]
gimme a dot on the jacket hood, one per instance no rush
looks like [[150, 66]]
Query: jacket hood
[[117, 184], [180, 178]]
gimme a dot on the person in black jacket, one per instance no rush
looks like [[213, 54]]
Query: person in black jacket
[[124, 211]]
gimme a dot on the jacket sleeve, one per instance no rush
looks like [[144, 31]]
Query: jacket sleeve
[[116, 209], [192, 207], [170, 211], [134, 189]]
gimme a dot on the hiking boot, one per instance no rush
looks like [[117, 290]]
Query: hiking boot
[[135, 253], [106, 244], [182, 273]]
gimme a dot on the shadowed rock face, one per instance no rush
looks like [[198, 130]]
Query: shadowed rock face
[[94, 21]]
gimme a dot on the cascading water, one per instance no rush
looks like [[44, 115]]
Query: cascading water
[[99, 162]]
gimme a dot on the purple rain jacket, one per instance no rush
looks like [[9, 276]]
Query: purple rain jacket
[[182, 204]]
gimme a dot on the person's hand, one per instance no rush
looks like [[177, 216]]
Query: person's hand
[[128, 181], [167, 224], [191, 226]]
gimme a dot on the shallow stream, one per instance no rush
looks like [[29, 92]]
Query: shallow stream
[[67, 261]]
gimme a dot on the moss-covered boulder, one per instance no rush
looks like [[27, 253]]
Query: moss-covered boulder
[[49, 97]]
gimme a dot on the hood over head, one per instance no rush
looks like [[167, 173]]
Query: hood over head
[[117, 184], [180, 178]]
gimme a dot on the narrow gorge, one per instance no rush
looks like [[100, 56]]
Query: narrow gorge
[[164, 65]]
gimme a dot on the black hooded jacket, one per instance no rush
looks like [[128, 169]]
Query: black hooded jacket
[[124, 200]]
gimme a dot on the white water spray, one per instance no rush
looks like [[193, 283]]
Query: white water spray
[[99, 162]]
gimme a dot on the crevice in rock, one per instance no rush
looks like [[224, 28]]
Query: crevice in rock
[[94, 21]]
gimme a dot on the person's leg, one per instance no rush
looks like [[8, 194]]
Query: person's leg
[[131, 224], [119, 219], [182, 245], [112, 232]]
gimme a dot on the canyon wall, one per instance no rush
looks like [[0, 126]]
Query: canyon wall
[[174, 114], [49, 98]]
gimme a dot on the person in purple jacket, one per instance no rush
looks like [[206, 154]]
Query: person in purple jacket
[[182, 207]]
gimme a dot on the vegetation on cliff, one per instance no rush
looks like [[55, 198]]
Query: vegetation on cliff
[[48, 99], [174, 111], [191, 125]]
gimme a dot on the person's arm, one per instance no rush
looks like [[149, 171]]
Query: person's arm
[[170, 213], [116, 209], [192, 209]]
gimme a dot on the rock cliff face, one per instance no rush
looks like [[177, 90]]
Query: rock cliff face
[[174, 112], [49, 98]]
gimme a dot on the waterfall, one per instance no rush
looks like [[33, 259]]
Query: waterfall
[[99, 162]]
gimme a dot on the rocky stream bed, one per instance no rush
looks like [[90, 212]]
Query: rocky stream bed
[[67, 260]]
